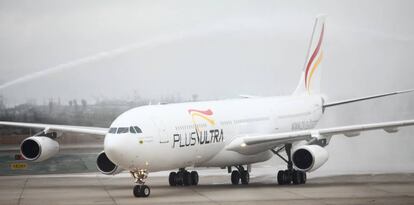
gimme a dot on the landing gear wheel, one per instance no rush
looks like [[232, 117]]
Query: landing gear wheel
[[179, 179], [287, 177], [280, 177], [137, 191], [194, 178], [187, 179], [302, 177], [235, 177], [141, 191], [284, 177], [245, 177], [171, 179], [296, 177], [145, 191]]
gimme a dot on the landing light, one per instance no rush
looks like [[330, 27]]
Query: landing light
[[243, 145]]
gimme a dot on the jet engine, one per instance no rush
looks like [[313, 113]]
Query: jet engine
[[309, 157], [106, 166], [38, 148]]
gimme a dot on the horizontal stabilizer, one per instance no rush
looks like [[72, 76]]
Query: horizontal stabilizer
[[364, 98]]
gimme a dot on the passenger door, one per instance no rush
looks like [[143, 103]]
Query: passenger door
[[164, 135]]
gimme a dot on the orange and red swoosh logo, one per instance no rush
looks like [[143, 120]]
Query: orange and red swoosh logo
[[309, 72], [204, 114]]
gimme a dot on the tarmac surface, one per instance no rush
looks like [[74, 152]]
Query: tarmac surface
[[213, 189]]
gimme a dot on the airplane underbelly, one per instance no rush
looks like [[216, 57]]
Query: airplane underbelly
[[230, 158]]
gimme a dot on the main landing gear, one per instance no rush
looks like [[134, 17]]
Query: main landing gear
[[290, 175], [140, 190], [183, 178], [239, 175]]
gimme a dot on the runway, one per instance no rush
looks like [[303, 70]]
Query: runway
[[213, 189]]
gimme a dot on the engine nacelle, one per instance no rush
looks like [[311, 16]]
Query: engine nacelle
[[38, 148], [309, 157], [106, 166]]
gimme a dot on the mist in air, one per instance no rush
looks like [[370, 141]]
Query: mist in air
[[218, 50]]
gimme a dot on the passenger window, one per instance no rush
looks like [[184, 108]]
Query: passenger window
[[138, 129], [123, 130], [132, 130], [112, 130]]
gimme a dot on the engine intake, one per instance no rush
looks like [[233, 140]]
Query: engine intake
[[106, 166], [309, 157], [38, 148]]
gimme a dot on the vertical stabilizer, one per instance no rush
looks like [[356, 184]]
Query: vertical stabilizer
[[309, 83]]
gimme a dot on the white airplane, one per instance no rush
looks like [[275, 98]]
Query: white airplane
[[227, 133]]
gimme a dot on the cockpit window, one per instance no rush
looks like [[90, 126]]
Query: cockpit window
[[132, 130], [138, 129], [112, 130], [123, 130]]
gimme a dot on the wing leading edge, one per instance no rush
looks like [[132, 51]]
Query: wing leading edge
[[259, 143], [59, 128]]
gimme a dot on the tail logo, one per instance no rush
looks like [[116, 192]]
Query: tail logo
[[312, 63]]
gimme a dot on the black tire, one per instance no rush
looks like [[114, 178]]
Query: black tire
[[145, 191], [303, 177], [179, 179], [287, 177], [235, 177], [187, 178], [137, 191], [194, 178], [245, 177], [171, 179], [296, 177], [280, 177]]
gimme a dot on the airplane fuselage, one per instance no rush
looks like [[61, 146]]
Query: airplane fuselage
[[196, 133]]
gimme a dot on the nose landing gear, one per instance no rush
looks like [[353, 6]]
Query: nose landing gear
[[140, 190]]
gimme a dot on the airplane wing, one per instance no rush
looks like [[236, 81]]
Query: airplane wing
[[59, 128], [259, 143]]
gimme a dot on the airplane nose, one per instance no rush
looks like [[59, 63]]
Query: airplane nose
[[114, 148]]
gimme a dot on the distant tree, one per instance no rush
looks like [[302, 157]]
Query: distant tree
[[2, 106], [50, 105], [84, 103]]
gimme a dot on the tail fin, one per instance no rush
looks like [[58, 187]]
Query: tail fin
[[309, 83]]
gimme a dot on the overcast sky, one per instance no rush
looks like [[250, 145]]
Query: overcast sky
[[218, 49]]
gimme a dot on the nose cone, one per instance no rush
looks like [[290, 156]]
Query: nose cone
[[115, 147]]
